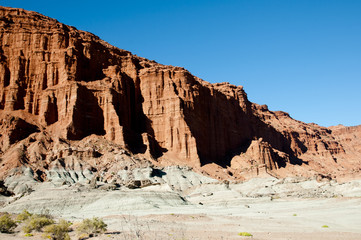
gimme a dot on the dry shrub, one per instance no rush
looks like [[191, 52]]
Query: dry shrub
[[37, 222], [7, 224], [58, 231], [24, 215], [91, 226]]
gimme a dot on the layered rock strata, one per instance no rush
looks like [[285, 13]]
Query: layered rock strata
[[60, 85]]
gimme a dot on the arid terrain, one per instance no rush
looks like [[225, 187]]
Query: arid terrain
[[267, 208], [91, 130]]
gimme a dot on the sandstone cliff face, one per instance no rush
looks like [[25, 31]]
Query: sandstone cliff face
[[68, 85], [349, 136]]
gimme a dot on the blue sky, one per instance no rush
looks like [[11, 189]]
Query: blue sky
[[298, 56]]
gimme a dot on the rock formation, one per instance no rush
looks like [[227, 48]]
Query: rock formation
[[61, 87]]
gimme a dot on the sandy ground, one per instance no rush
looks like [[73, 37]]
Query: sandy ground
[[266, 208], [263, 218]]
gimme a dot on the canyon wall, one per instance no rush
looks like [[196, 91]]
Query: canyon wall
[[68, 84]]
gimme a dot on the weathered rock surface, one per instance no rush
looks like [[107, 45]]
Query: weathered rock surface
[[349, 136], [69, 100]]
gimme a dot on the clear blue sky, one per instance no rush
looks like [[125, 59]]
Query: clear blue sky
[[298, 56]]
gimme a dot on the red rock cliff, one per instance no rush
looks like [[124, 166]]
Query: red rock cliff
[[68, 83]]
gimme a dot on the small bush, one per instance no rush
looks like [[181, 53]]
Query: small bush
[[92, 226], [294, 214], [28, 235], [37, 222], [245, 234], [58, 231], [83, 236], [325, 226], [7, 225], [25, 215]]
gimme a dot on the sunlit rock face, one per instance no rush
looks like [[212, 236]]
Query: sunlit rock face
[[60, 85]]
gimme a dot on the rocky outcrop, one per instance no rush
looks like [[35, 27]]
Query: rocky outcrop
[[348, 136], [60, 85]]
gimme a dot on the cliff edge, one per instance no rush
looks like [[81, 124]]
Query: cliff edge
[[70, 100]]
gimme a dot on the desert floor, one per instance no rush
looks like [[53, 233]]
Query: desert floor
[[210, 211]]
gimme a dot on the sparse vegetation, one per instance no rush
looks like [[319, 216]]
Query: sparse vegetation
[[275, 197], [245, 234], [24, 215], [55, 230], [7, 224], [294, 214], [325, 226], [91, 226], [52, 230], [37, 222], [58, 231], [83, 236]]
